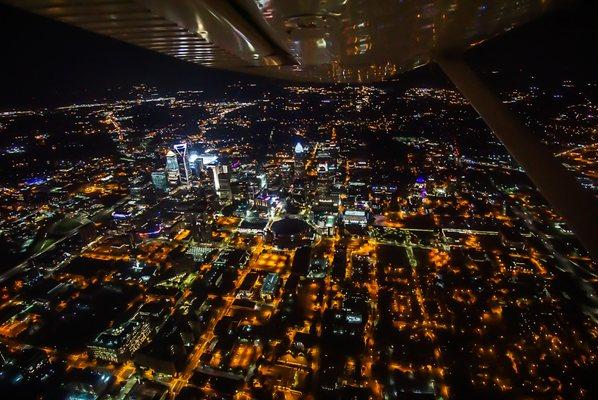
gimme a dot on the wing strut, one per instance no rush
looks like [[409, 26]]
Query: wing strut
[[559, 187]]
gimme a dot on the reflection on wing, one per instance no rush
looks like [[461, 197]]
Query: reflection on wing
[[316, 40]]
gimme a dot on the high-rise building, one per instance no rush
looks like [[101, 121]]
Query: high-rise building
[[159, 180], [221, 179], [215, 176], [225, 191], [118, 344], [299, 160], [181, 150], [172, 168], [263, 180], [270, 286], [198, 165]]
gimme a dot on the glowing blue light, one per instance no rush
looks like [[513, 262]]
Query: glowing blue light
[[35, 181], [152, 233], [193, 157], [120, 215]]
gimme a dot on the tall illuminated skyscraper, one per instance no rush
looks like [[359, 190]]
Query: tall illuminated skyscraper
[[172, 168], [181, 149], [222, 181], [195, 163], [299, 160], [160, 180]]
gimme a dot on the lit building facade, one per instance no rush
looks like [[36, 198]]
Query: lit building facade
[[173, 173], [118, 344], [270, 286], [299, 160], [160, 181]]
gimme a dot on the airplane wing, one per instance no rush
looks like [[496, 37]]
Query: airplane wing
[[310, 40]]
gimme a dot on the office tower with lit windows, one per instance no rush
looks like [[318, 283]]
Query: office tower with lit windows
[[299, 160], [181, 150], [159, 180], [172, 170], [221, 179], [197, 166], [225, 191], [119, 343]]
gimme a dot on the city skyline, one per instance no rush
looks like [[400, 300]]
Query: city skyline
[[177, 232]]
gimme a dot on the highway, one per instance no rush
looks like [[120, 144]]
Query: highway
[[20, 267]]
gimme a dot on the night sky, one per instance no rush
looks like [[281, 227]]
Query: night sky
[[46, 63]]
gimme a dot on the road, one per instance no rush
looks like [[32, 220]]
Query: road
[[20, 267], [576, 287]]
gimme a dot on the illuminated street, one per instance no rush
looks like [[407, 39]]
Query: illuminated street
[[363, 232]]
